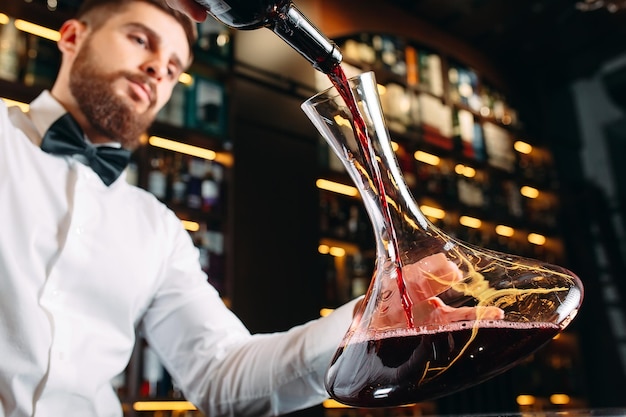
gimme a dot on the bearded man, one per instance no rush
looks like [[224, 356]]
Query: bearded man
[[87, 260]]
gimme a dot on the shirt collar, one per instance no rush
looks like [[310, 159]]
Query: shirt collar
[[44, 111]]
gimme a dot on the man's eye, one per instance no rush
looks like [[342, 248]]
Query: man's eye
[[140, 40], [172, 72]]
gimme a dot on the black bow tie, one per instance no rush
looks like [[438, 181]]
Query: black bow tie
[[65, 137]]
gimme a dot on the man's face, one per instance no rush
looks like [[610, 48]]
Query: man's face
[[125, 70]]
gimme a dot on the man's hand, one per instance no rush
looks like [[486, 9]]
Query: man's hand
[[190, 7], [425, 281]]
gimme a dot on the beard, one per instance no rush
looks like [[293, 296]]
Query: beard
[[110, 114]]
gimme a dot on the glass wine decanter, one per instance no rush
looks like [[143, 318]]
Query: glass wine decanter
[[440, 314]]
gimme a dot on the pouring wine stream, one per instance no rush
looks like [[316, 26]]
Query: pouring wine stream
[[338, 78]]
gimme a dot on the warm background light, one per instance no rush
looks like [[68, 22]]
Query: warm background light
[[525, 399], [37, 30], [23, 106], [185, 78], [336, 187], [434, 212], [172, 145], [330, 403], [470, 222], [427, 158], [464, 170], [503, 230], [163, 406], [191, 226], [536, 239], [559, 399], [522, 147], [529, 192], [335, 251]]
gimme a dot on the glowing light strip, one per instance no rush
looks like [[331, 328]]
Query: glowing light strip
[[525, 399], [522, 147], [335, 251], [336, 187], [185, 78], [536, 239], [23, 106], [470, 222], [529, 192], [503, 230], [172, 145], [330, 403], [4, 19], [37, 30], [334, 404], [465, 170], [426, 157], [435, 212], [163, 406], [560, 399], [191, 226]]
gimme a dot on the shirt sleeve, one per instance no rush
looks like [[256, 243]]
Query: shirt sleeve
[[221, 367]]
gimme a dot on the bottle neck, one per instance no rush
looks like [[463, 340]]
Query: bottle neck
[[295, 29]]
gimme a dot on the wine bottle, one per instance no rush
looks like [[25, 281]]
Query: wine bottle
[[285, 20]]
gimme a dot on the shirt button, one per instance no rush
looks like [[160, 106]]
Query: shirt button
[[79, 230]]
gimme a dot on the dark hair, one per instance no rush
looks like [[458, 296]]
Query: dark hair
[[112, 6]]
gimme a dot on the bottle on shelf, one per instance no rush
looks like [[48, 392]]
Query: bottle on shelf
[[360, 275], [209, 188], [431, 72], [469, 133], [154, 377], [173, 112], [464, 89], [157, 177], [10, 41], [197, 171], [407, 165], [214, 39], [359, 50], [338, 219], [210, 244], [499, 147], [180, 178], [132, 173], [396, 103], [43, 61]]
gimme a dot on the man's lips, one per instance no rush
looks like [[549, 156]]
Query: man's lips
[[141, 91]]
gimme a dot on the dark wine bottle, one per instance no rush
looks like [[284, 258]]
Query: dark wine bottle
[[285, 20]]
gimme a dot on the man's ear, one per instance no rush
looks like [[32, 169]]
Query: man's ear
[[72, 33]]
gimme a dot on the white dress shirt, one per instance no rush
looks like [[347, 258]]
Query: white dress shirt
[[82, 265]]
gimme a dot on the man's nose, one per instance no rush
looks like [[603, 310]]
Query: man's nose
[[155, 68]]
